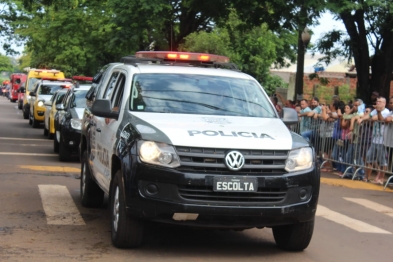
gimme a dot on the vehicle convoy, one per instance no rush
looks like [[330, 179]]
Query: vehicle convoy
[[188, 139], [33, 75], [16, 81], [44, 89], [67, 122]]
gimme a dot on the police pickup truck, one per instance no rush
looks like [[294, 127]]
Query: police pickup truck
[[187, 139]]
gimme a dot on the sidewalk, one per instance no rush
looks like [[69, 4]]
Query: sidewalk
[[329, 178]]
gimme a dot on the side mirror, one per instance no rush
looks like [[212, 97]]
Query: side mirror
[[32, 94], [289, 116], [103, 108], [90, 94], [60, 107]]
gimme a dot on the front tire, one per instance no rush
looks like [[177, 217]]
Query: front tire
[[35, 123], [55, 144], [127, 232], [25, 115], [30, 120], [294, 237], [91, 194], [50, 136], [64, 151]]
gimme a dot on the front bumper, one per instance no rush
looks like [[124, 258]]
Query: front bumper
[[39, 113], [285, 198], [71, 138]]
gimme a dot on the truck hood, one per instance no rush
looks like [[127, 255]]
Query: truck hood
[[215, 131], [44, 97]]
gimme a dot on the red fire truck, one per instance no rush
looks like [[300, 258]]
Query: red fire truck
[[17, 80]]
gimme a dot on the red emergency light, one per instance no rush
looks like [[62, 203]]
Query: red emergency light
[[57, 79], [82, 78], [183, 56]]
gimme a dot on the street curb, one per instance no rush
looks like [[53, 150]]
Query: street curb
[[348, 183]]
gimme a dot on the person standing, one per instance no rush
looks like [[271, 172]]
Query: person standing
[[305, 120], [276, 105], [388, 134], [313, 121], [377, 152]]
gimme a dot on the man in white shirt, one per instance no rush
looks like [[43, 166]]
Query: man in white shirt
[[377, 152]]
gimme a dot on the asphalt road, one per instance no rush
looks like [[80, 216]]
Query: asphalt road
[[41, 218]]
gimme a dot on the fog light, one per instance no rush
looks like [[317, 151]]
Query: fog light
[[303, 194], [151, 189]]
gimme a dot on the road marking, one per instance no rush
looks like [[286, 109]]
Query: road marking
[[53, 168], [24, 139], [25, 154], [59, 207], [344, 220], [372, 205]]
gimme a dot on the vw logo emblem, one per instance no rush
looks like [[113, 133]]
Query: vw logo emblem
[[234, 160]]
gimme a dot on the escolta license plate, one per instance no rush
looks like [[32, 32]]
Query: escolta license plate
[[235, 184]]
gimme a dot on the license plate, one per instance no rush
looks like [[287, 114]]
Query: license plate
[[235, 184]]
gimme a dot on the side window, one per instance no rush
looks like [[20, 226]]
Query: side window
[[36, 86], [110, 86], [118, 93], [66, 98], [59, 98]]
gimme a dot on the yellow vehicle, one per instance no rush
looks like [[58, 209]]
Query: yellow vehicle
[[44, 89], [33, 75], [50, 112]]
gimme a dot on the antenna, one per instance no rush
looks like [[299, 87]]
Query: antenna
[[171, 35]]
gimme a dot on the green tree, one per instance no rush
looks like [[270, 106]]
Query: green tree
[[5, 64], [367, 23], [254, 50], [164, 23], [73, 37]]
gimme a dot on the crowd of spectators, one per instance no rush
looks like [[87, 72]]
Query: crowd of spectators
[[350, 138]]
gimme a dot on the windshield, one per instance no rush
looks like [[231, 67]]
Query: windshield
[[199, 94], [31, 82], [79, 99], [48, 89]]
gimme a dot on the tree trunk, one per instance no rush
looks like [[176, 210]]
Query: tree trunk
[[382, 64], [357, 33]]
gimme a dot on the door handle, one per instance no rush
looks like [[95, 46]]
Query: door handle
[[98, 129]]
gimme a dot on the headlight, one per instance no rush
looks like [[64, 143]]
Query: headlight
[[158, 154], [40, 103], [76, 124], [299, 159]]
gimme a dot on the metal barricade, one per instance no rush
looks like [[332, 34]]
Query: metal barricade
[[355, 151]]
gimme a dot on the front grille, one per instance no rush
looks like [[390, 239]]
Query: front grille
[[211, 160], [206, 193]]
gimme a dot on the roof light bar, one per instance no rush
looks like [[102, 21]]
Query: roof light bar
[[57, 79], [184, 56], [65, 86], [82, 78]]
